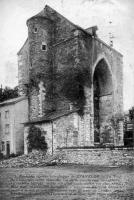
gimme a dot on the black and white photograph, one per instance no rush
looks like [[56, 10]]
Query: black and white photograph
[[67, 100]]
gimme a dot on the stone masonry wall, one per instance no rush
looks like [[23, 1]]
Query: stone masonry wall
[[69, 46], [116, 64], [39, 33], [72, 47], [99, 156], [93, 51], [66, 131], [71, 131]]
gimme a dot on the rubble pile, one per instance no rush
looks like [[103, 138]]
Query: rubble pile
[[33, 159]]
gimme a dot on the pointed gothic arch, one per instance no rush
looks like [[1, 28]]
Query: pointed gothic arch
[[102, 97]]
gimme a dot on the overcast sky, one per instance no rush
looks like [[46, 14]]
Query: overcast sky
[[86, 13]]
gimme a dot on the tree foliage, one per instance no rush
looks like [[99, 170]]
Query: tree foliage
[[36, 138], [8, 93]]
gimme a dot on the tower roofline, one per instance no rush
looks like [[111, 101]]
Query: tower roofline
[[42, 14], [45, 13]]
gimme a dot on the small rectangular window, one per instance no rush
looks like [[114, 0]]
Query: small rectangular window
[[43, 46], [3, 146], [6, 114], [7, 127]]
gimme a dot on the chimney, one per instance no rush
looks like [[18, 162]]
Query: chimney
[[92, 30]]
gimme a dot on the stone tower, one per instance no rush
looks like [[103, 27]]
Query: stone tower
[[40, 37]]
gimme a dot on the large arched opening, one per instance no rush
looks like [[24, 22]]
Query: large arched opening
[[103, 88]]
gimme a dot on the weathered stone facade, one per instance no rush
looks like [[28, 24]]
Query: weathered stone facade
[[55, 44], [99, 156]]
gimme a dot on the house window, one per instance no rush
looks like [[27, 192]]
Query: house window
[[6, 114], [3, 146], [43, 46], [7, 129]]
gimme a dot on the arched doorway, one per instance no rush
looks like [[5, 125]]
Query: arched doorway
[[103, 87]]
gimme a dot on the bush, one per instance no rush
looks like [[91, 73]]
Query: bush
[[8, 93], [35, 138]]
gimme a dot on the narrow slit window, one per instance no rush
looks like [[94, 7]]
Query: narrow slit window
[[35, 30]]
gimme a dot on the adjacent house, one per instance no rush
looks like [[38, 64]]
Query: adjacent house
[[13, 113]]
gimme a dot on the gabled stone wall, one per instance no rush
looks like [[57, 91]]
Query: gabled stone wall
[[68, 46]]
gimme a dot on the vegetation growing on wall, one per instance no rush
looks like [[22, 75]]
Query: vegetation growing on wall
[[66, 78], [70, 84], [36, 139], [44, 74]]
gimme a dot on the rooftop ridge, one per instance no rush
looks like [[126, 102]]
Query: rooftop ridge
[[13, 100]]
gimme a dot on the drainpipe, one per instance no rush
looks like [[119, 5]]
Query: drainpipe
[[52, 136], [67, 137]]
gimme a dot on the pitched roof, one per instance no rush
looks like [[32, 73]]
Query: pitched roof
[[13, 101], [52, 116], [43, 13], [49, 12]]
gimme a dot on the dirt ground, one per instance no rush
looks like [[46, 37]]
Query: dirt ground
[[67, 182]]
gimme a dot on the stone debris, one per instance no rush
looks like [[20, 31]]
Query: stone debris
[[41, 159], [33, 159]]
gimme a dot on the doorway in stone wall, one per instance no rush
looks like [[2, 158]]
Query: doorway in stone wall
[[102, 88]]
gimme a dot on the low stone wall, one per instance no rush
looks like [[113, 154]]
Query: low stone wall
[[99, 156]]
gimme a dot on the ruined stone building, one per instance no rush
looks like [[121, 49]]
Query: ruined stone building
[[54, 50]]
